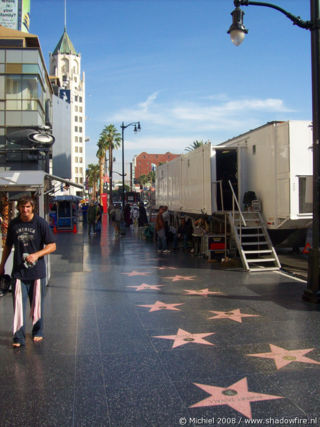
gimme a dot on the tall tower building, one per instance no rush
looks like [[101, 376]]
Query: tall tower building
[[65, 65]]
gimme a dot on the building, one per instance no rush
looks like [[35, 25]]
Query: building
[[144, 163], [15, 14], [65, 67], [25, 102]]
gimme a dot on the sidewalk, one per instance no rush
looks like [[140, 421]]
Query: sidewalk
[[137, 339]]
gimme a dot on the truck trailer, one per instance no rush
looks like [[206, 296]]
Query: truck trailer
[[267, 171]]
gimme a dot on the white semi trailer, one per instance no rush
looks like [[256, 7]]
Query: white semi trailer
[[273, 162]]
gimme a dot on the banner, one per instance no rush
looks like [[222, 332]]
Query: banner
[[25, 16], [9, 14]]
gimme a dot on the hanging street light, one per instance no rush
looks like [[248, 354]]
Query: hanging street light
[[237, 33]]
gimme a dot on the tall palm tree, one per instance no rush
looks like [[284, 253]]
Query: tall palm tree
[[93, 177], [110, 139], [196, 144]]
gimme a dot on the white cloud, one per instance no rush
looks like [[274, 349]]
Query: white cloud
[[172, 125]]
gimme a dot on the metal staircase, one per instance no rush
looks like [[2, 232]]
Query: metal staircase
[[252, 239]]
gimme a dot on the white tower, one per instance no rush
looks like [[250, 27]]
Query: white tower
[[65, 63]]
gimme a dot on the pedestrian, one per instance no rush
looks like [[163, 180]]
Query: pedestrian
[[116, 216], [143, 219], [99, 218], [31, 238], [127, 215], [92, 216], [161, 231], [200, 228]]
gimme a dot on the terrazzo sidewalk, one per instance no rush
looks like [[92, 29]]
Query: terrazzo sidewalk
[[134, 338]]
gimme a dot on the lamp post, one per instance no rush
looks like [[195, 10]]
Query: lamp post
[[137, 128], [237, 33]]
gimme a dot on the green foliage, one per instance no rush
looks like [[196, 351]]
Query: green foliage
[[196, 144]]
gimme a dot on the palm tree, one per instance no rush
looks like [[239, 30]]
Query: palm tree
[[110, 139], [93, 177], [196, 144]]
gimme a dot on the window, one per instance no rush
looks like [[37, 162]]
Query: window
[[23, 92], [76, 108], [76, 128], [76, 170], [80, 109], [80, 138], [80, 129], [80, 119], [76, 159], [81, 180], [253, 149], [305, 194], [80, 98], [76, 98], [76, 118], [76, 149], [80, 149], [76, 139], [80, 159]]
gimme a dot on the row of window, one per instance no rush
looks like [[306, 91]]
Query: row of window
[[78, 129], [78, 139], [78, 149], [76, 119], [78, 159], [78, 170], [78, 109], [79, 180]]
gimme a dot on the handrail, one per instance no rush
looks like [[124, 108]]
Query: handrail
[[234, 199]]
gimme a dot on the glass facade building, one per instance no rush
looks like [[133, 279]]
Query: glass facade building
[[25, 97]]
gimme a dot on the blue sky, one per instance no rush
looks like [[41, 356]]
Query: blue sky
[[170, 64]]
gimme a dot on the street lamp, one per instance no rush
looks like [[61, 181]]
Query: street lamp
[[237, 33], [137, 128]]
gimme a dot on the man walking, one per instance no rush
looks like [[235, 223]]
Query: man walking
[[32, 239], [93, 214]]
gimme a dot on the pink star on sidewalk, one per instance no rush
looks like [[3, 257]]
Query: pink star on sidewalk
[[137, 273], [283, 357], [183, 337], [202, 292], [236, 396], [176, 278], [232, 315], [158, 305], [145, 286]]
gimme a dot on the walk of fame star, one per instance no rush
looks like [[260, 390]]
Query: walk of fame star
[[283, 357], [176, 278], [144, 286], [158, 305], [236, 396], [183, 337], [202, 292], [232, 315], [137, 273]]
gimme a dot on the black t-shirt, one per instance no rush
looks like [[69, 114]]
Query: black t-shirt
[[28, 237]]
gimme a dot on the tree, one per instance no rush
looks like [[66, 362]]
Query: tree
[[151, 177], [110, 139], [196, 144], [93, 177]]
